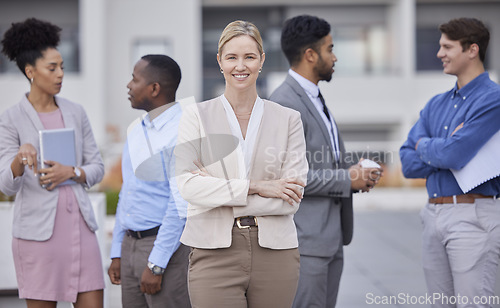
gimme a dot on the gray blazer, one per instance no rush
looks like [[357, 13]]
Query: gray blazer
[[325, 216], [35, 207]]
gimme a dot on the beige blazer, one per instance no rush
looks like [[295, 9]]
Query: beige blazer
[[35, 207], [215, 200]]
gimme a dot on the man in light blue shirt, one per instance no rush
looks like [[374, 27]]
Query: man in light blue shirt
[[148, 259], [461, 236]]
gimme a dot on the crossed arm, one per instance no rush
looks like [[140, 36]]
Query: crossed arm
[[241, 194]]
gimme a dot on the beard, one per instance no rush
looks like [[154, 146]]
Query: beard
[[323, 70], [326, 76]]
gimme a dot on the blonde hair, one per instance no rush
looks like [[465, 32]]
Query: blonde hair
[[237, 28]]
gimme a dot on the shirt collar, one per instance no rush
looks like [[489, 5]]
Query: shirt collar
[[308, 86], [471, 86], [162, 118]]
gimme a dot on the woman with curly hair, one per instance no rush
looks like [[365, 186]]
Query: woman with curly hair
[[56, 254]]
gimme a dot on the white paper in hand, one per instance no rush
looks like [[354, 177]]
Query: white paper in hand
[[368, 163], [482, 167]]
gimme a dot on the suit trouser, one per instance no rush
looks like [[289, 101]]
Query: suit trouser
[[461, 250], [134, 259], [319, 280], [243, 275]]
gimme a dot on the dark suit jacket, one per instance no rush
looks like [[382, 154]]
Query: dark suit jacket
[[325, 217]]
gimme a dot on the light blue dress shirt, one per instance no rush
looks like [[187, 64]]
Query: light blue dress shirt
[[146, 203]]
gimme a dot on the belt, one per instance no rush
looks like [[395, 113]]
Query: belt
[[245, 222], [142, 234], [467, 198]]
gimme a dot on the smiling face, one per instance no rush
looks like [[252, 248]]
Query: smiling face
[[47, 73], [140, 87], [240, 61], [326, 59], [455, 59]]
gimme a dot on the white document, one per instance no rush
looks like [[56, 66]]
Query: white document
[[58, 145], [368, 163], [482, 167]]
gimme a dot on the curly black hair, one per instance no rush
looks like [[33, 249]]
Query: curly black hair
[[302, 32], [25, 41]]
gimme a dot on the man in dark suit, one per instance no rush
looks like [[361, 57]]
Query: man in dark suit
[[325, 219]]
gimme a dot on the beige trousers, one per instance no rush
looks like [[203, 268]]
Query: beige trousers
[[243, 275], [174, 293]]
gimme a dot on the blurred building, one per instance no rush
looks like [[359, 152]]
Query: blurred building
[[386, 71]]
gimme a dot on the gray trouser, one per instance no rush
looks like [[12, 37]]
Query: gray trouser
[[461, 250], [134, 260], [319, 280]]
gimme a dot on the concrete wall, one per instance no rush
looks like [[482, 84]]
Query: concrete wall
[[87, 86], [108, 31]]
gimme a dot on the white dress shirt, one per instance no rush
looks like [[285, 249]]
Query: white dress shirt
[[312, 91], [246, 145]]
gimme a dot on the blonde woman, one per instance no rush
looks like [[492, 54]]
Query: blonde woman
[[242, 168]]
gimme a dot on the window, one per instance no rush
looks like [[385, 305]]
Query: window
[[267, 19], [69, 47], [142, 47], [360, 49], [427, 48]]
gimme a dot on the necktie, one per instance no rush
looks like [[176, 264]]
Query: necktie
[[325, 110]]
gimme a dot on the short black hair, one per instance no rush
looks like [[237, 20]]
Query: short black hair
[[25, 41], [163, 70], [468, 31], [300, 33]]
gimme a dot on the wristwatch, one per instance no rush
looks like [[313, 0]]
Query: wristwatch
[[77, 172], [155, 269]]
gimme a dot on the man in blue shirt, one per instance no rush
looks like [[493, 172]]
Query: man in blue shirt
[[461, 237], [148, 259]]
